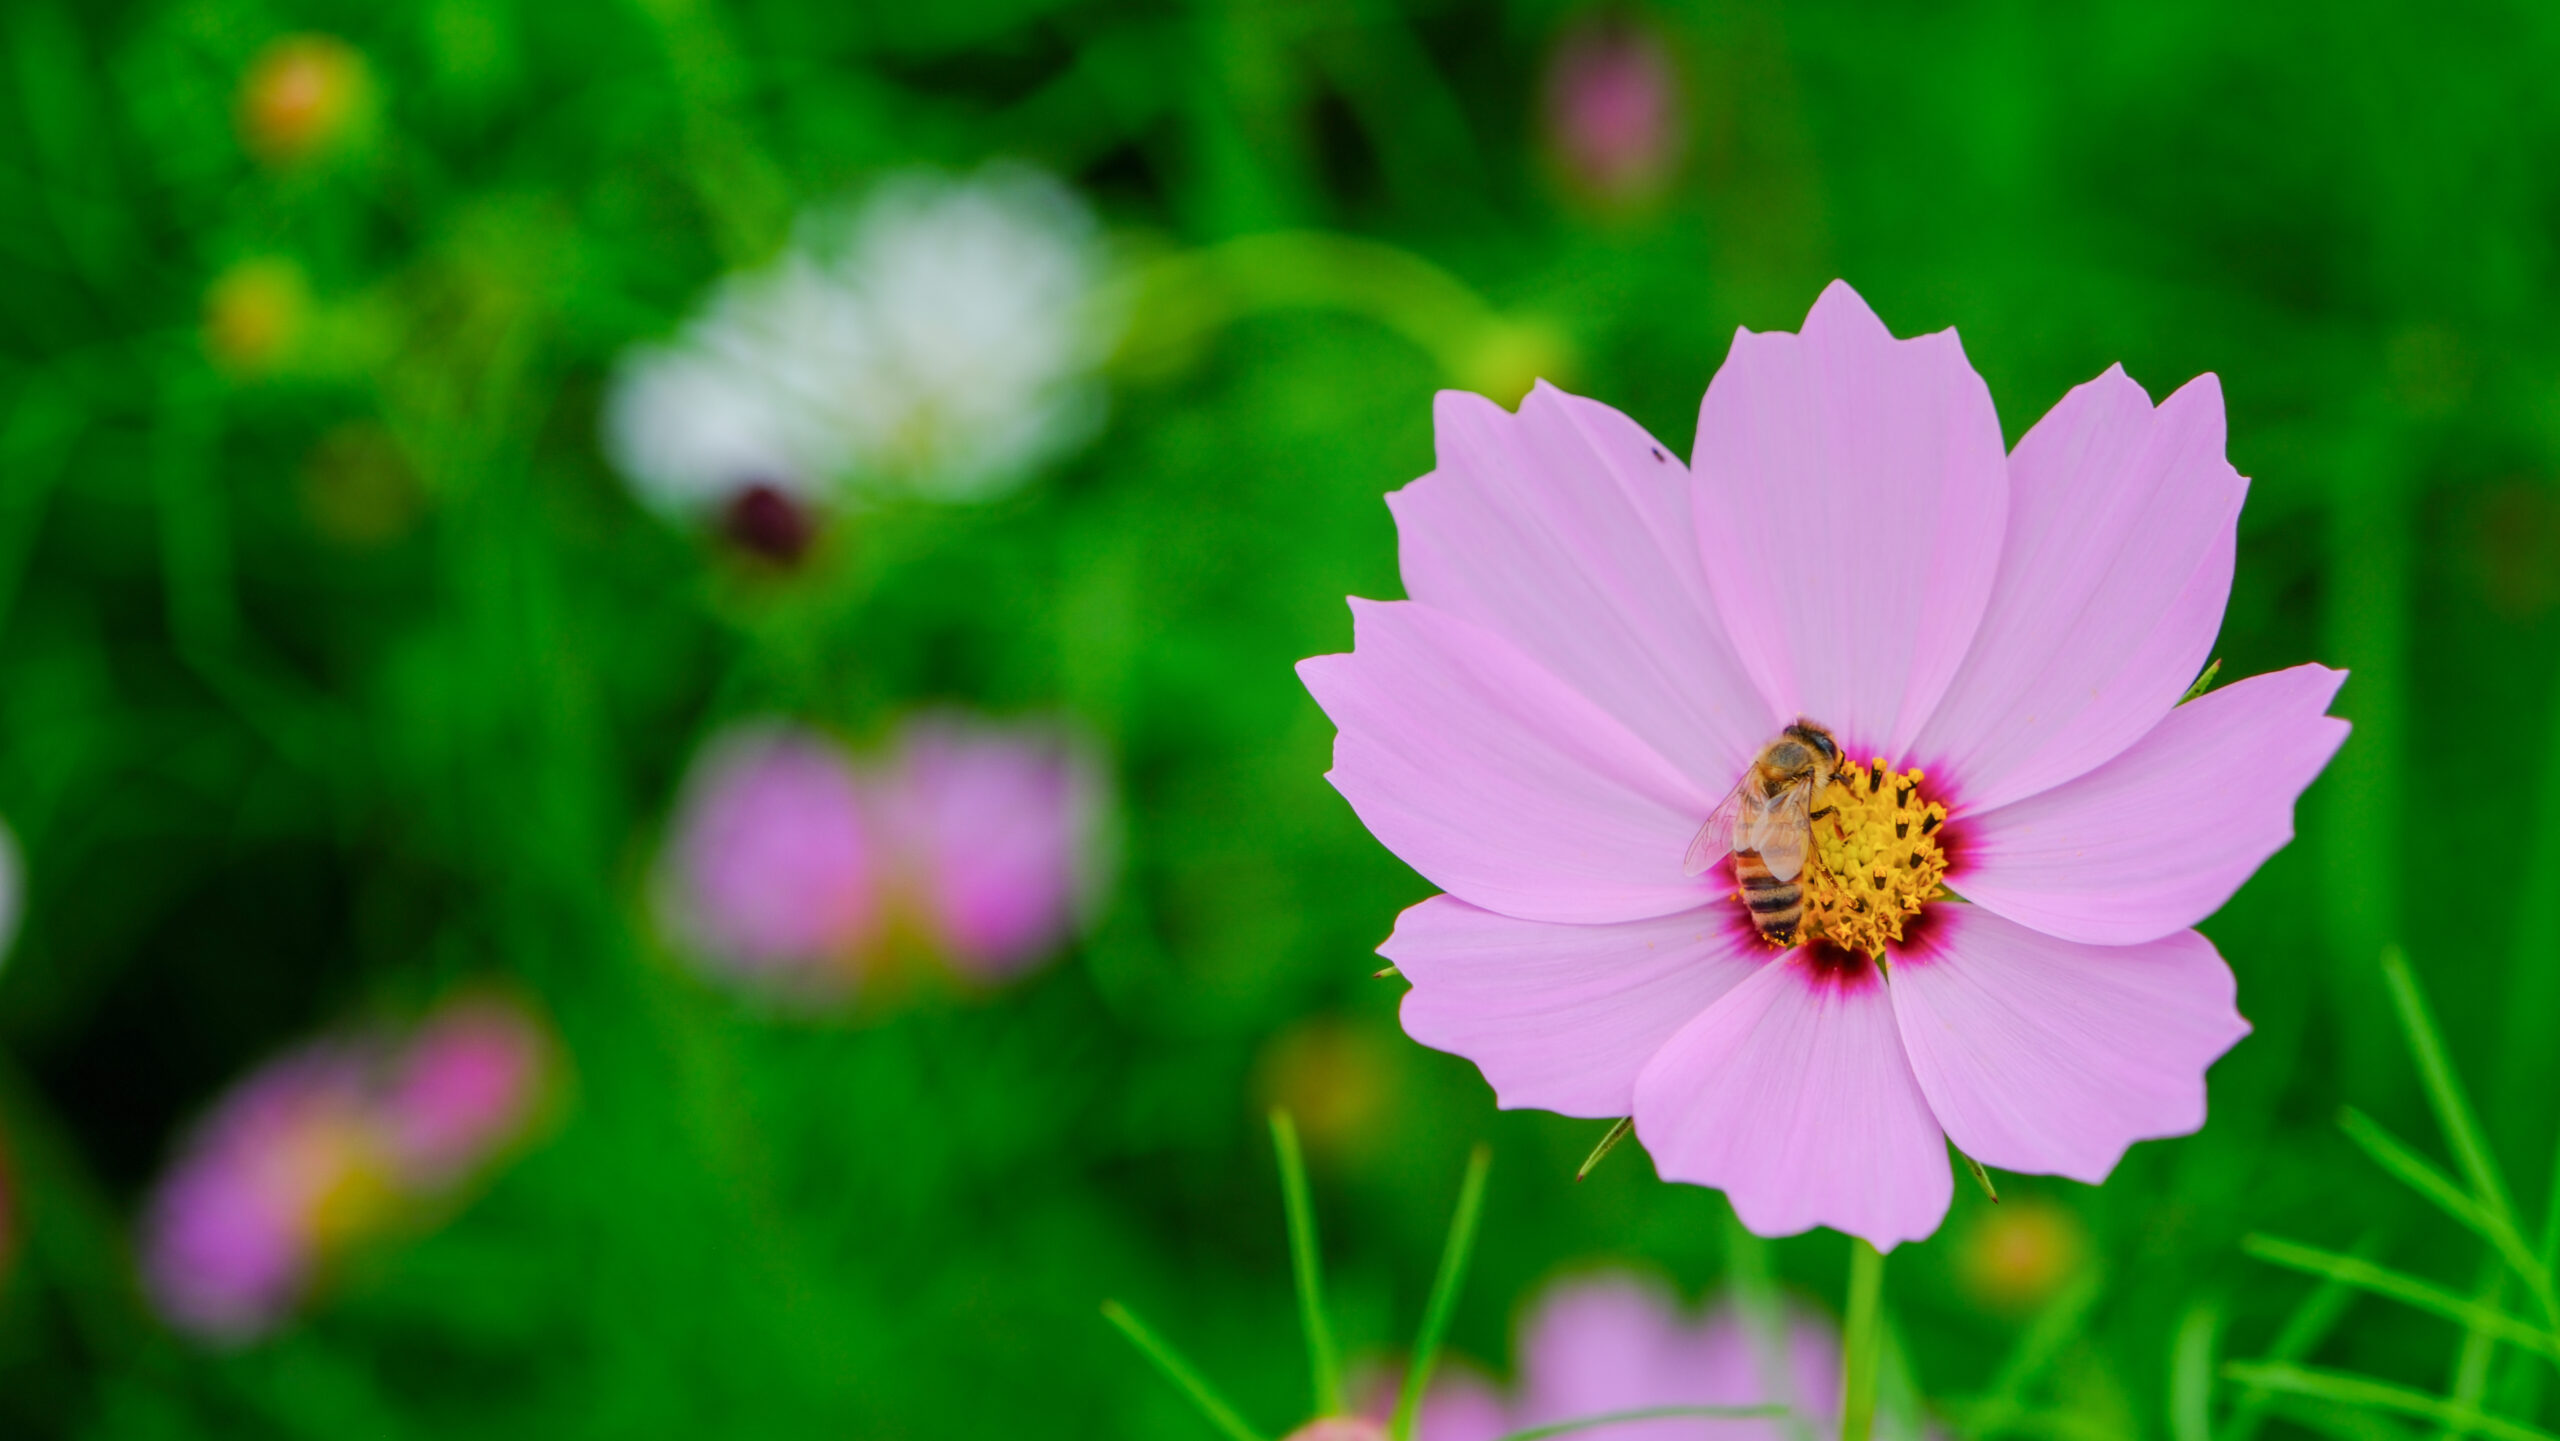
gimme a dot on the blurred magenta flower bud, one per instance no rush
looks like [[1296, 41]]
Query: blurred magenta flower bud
[[467, 1088], [1003, 838], [304, 96], [285, 1168], [13, 888], [768, 869], [1614, 119]]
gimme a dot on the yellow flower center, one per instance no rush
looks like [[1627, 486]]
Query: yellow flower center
[[1876, 858]]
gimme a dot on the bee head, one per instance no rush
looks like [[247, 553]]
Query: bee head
[[1807, 733]]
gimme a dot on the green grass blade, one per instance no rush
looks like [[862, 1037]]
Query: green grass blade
[[1649, 1413], [1444, 1294], [1180, 1372], [2421, 1175], [2302, 1333], [2479, 1351], [2053, 1328], [2191, 1373], [2444, 1088], [2406, 1289], [1324, 1361], [2352, 1390]]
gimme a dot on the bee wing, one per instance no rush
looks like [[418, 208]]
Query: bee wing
[[1717, 837], [1780, 830]]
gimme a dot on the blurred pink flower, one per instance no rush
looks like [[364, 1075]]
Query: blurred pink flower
[[466, 1088], [328, 1147], [1608, 1342], [13, 888], [1613, 115], [1600, 640], [285, 1166], [769, 865], [1001, 836]]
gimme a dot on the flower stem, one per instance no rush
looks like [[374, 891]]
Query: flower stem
[[1865, 1335], [1324, 1361]]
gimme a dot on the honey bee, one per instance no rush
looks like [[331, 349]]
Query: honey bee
[[1766, 824]]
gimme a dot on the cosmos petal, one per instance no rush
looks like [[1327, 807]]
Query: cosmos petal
[[1566, 530], [1851, 491], [1497, 781], [1602, 1343], [2158, 838], [1792, 1096], [2050, 1057], [1562, 1017], [2123, 525]]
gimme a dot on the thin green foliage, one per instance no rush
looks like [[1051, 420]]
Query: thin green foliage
[[1444, 1293], [2352, 1390], [1618, 1131], [2444, 1088], [2422, 1176], [2063, 1318], [1185, 1377], [2302, 1333], [1324, 1360], [2398, 1286], [2204, 681]]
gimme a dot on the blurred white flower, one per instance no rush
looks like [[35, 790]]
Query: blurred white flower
[[940, 338], [978, 328]]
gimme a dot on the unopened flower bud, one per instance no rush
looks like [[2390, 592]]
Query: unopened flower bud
[[303, 96], [255, 314], [1613, 117]]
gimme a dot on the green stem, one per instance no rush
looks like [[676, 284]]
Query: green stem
[[1864, 1335], [1444, 1295], [1324, 1361], [1185, 1377]]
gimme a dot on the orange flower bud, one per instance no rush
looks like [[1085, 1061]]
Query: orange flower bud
[[302, 96]]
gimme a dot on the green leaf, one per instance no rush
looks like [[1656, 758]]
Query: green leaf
[[2408, 1290], [1324, 1361], [2351, 1390], [1444, 1294], [1181, 1373]]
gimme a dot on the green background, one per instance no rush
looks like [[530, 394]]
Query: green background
[[267, 781]]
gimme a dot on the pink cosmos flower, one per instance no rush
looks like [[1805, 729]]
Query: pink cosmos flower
[[1599, 641], [467, 1087], [1609, 1342], [328, 1147], [284, 1167], [1000, 837], [1613, 116], [769, 866]]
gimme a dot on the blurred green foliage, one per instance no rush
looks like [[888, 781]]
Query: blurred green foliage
[[329, 682]]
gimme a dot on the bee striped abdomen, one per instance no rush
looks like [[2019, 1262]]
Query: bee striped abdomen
[[1776, 906]]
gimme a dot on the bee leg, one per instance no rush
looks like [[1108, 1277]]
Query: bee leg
[[1825, 811]]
